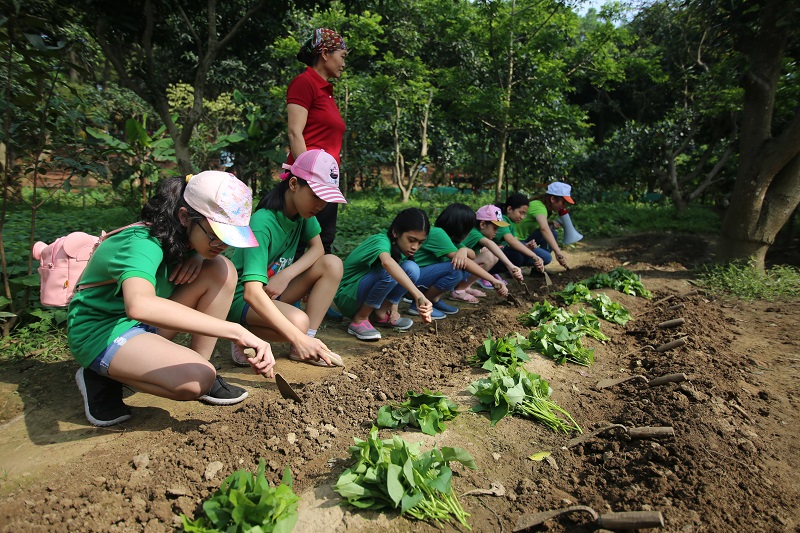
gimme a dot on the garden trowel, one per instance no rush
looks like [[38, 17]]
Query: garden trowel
[[612, 521], [284, 388]]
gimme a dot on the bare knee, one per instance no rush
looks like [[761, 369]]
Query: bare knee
[[331, 266], [221, 272], [198, 381]]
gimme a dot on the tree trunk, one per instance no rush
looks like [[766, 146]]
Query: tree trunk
[[767, 188]]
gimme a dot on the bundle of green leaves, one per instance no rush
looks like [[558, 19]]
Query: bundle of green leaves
[[427, 411], [517, 391], [557, 342], [508, 351], [610, 310], [574, 293], [392, 474], [247, 503], [621, 280], [581, 322]]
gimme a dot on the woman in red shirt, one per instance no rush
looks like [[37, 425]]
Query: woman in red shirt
[[313, 116]]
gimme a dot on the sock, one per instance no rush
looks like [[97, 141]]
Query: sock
[[311, 333]]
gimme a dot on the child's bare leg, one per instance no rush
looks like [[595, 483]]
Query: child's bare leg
[[150, 363], [210, 293], [320, 282], [259, 326]]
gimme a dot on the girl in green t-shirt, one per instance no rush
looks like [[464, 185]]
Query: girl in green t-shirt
[[515, 209], [137, 296], [443, 265], [377, 274], [488, 219], [271, 281]]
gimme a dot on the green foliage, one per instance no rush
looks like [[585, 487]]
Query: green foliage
[[557, 342], [621, 280], [516, 391], [580, 323], [427, 411], [742, 280], [613, 218], [244, 503], [610, 310], [574, 293], [392, 474], [507, 351]]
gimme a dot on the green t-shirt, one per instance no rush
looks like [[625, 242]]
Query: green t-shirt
[[435, 248], [278, 237], [358, 264], [96, 315], [528, 225], [499, 237], [472, 241]]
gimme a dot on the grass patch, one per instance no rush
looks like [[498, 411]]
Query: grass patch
[[614, 219], [740, 279]]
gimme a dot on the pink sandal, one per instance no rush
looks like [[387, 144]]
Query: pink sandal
[[475, 292], [463, 296]]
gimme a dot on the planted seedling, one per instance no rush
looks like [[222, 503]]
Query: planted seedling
[[574, 293], [392, 474], [517, 391], [507, 351], [621, 280], [247, 503], [610, 310], [581, 322], [427, 411], [560, 344]]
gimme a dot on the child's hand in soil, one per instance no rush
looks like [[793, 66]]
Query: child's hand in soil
[[501, 288], [310, 349], [263, 362], [516, 273], [425, 308]]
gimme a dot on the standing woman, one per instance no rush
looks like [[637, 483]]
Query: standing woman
[[120, 326], [313, 116]]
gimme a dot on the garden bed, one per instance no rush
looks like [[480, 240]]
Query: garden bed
[[732, 463]]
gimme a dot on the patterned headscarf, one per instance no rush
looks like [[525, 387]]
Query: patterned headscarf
[[321, 39]]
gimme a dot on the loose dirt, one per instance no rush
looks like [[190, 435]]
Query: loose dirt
[[732, 464]]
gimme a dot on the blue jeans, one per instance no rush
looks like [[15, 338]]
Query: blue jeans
[[379, 286], [102, 361], [544, 249], [440, 276]]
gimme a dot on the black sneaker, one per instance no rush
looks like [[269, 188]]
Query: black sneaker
[[102, 398], [223, 393]]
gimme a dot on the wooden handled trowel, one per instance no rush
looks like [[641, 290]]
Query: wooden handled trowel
[[284, 388]]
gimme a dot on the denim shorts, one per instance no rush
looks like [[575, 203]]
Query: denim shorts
[[102, 361]]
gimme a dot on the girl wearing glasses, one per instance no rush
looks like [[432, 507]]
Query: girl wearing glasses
[[271, 280], [121, 325]]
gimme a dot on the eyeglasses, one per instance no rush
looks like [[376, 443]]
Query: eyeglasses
[[213, 240]]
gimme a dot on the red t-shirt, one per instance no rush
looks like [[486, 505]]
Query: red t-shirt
[[324, 126]]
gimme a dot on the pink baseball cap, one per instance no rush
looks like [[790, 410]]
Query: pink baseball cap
[[491, 213], [226, 203], [320, 170]]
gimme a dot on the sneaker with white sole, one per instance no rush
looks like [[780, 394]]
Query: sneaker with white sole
[[435, 313], [402, 323], [364, 331], [445, 307], [223, 393], [408, 300], [237, 355], [102, 398]]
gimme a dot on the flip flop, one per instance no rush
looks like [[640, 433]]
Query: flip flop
[[475, 292]]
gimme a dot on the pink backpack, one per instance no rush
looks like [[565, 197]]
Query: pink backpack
[[63, 262]]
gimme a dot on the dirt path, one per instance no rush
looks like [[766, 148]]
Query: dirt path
[[731, 466]]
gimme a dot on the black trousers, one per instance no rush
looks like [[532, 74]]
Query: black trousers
[[327, 221]]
